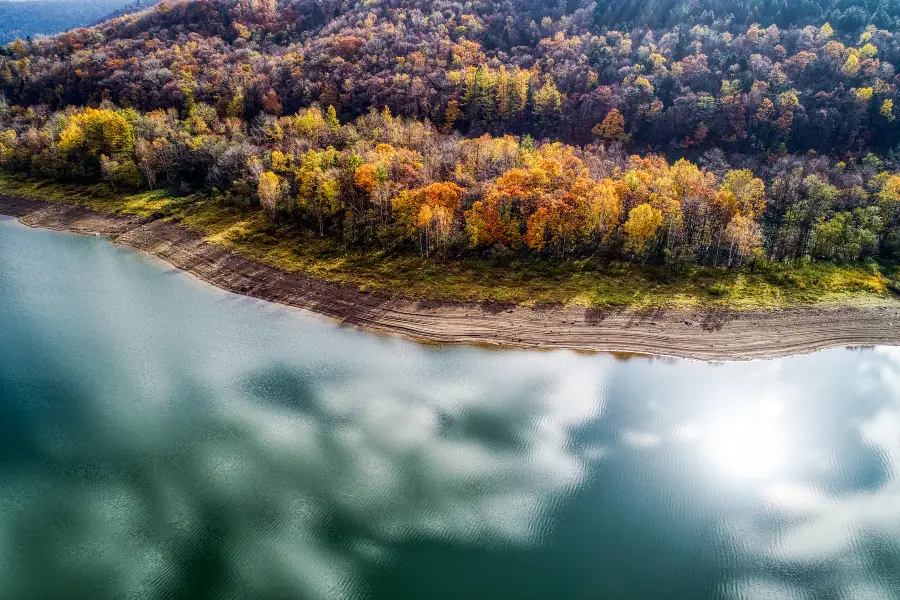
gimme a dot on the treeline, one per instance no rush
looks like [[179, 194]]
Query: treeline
[[392, 183], [545, 69]]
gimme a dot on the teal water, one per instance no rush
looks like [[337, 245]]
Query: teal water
[[163, 439]]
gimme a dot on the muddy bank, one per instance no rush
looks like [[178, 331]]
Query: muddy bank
[[702, 334]]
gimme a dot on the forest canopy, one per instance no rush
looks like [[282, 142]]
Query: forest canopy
[[715, 133]]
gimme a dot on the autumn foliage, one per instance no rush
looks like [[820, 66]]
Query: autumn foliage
[[430, 211], [548, 130]]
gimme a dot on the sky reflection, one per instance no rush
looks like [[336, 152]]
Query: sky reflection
[[159, 438]]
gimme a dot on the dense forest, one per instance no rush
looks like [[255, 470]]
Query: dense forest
[[681, 132], [29, 18]]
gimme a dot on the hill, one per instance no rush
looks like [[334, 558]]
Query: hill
[[490, 128], [133, 7], [24, 19], [516, 68]]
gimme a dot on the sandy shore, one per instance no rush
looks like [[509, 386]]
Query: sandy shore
[[702, 334]]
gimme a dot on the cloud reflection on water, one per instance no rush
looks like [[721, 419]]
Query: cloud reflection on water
[[299, 482], [471, 461]]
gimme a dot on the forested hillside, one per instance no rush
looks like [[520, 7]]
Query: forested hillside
[[684, 132], [28, 18], [506, 68], [848, 15]]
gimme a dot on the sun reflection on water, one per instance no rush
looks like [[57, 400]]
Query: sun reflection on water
[[751, 444]]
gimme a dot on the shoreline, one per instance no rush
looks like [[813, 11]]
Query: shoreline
[[702, 334]]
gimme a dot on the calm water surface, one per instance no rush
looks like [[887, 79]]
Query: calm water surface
[[162, 439]]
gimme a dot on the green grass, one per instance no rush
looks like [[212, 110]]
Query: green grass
[[528, 282]]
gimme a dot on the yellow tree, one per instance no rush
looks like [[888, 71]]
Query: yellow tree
[[744, 237], [430, 210], [642, 225], [743, 193], [889, 198], [599, 207], [234, 108], [518, 90], [887, 109], [269, 191], [851, 65], [18, 48], [319, 188], [8, 141], [612, 129], [96, 132], [695, 190], [868, 51], [890, 190], [280, 162]]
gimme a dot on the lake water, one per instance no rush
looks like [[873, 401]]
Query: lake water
[[163, 439]]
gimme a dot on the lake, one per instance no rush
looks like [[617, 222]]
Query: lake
[[160, 438]]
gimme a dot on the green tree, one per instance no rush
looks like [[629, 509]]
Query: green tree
[[331, 119], [548, 100]]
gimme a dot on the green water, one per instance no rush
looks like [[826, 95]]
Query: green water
[[162, 439]]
